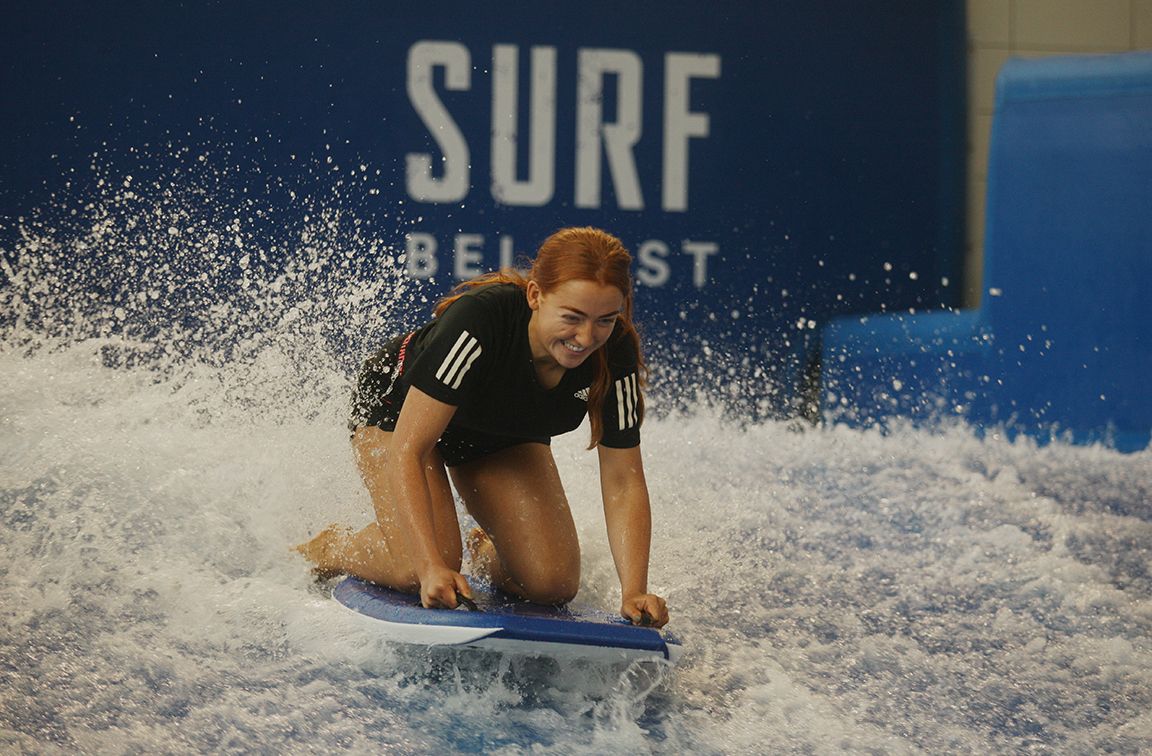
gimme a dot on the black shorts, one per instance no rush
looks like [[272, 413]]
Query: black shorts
[[379, 396]]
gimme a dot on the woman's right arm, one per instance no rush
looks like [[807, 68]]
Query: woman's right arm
[[421, 422]]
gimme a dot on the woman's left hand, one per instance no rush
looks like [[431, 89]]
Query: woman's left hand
[[645, 609]]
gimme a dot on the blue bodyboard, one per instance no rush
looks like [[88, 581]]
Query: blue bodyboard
[[503, 623]]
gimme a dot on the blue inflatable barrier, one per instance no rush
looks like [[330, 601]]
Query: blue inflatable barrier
[[1060, 345]]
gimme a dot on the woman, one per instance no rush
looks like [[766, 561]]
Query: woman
[[475, 396]]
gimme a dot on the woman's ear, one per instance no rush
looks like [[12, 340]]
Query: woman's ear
[[533, 293]]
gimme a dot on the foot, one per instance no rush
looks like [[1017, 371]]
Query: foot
[[480, 548], [323, 549]]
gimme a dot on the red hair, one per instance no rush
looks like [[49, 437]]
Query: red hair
[[578, 254]]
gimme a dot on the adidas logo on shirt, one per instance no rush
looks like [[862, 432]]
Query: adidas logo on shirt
[[582, 394]]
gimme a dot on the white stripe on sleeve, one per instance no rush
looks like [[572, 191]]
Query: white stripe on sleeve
[[460, 358], [626, 401], [472, 354]]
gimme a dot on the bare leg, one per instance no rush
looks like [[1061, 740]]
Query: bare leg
[[528, 544], [485, 563], [324, 550], [377, 552]]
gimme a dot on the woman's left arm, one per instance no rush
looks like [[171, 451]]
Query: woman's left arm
[[628, 515]]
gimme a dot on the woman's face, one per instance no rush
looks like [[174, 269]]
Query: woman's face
[[572, 321]]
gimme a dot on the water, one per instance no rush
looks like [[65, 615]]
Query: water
[[162, 444]]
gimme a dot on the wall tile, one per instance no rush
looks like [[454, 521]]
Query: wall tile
[[989, 23], [1142, 22], [1073, 24], [983, 65], [979, 139]]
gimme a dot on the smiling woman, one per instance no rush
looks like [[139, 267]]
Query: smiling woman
[[474, 397], [563, 335]]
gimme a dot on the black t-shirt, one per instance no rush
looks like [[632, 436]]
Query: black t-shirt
[[477, 357]]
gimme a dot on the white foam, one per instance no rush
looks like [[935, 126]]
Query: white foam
[[922, 590]]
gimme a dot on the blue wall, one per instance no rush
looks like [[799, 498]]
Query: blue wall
[[769, 163]]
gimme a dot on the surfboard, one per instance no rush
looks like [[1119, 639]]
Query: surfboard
[[504, 623]]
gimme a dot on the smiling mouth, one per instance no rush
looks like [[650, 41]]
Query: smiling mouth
[[575, 348]]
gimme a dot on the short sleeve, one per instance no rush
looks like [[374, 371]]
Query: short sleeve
[[452, 359], [624, 404]]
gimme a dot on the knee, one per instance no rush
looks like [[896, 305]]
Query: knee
[[558, 587]]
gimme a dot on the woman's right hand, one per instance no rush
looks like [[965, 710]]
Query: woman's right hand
[[439, 586]]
